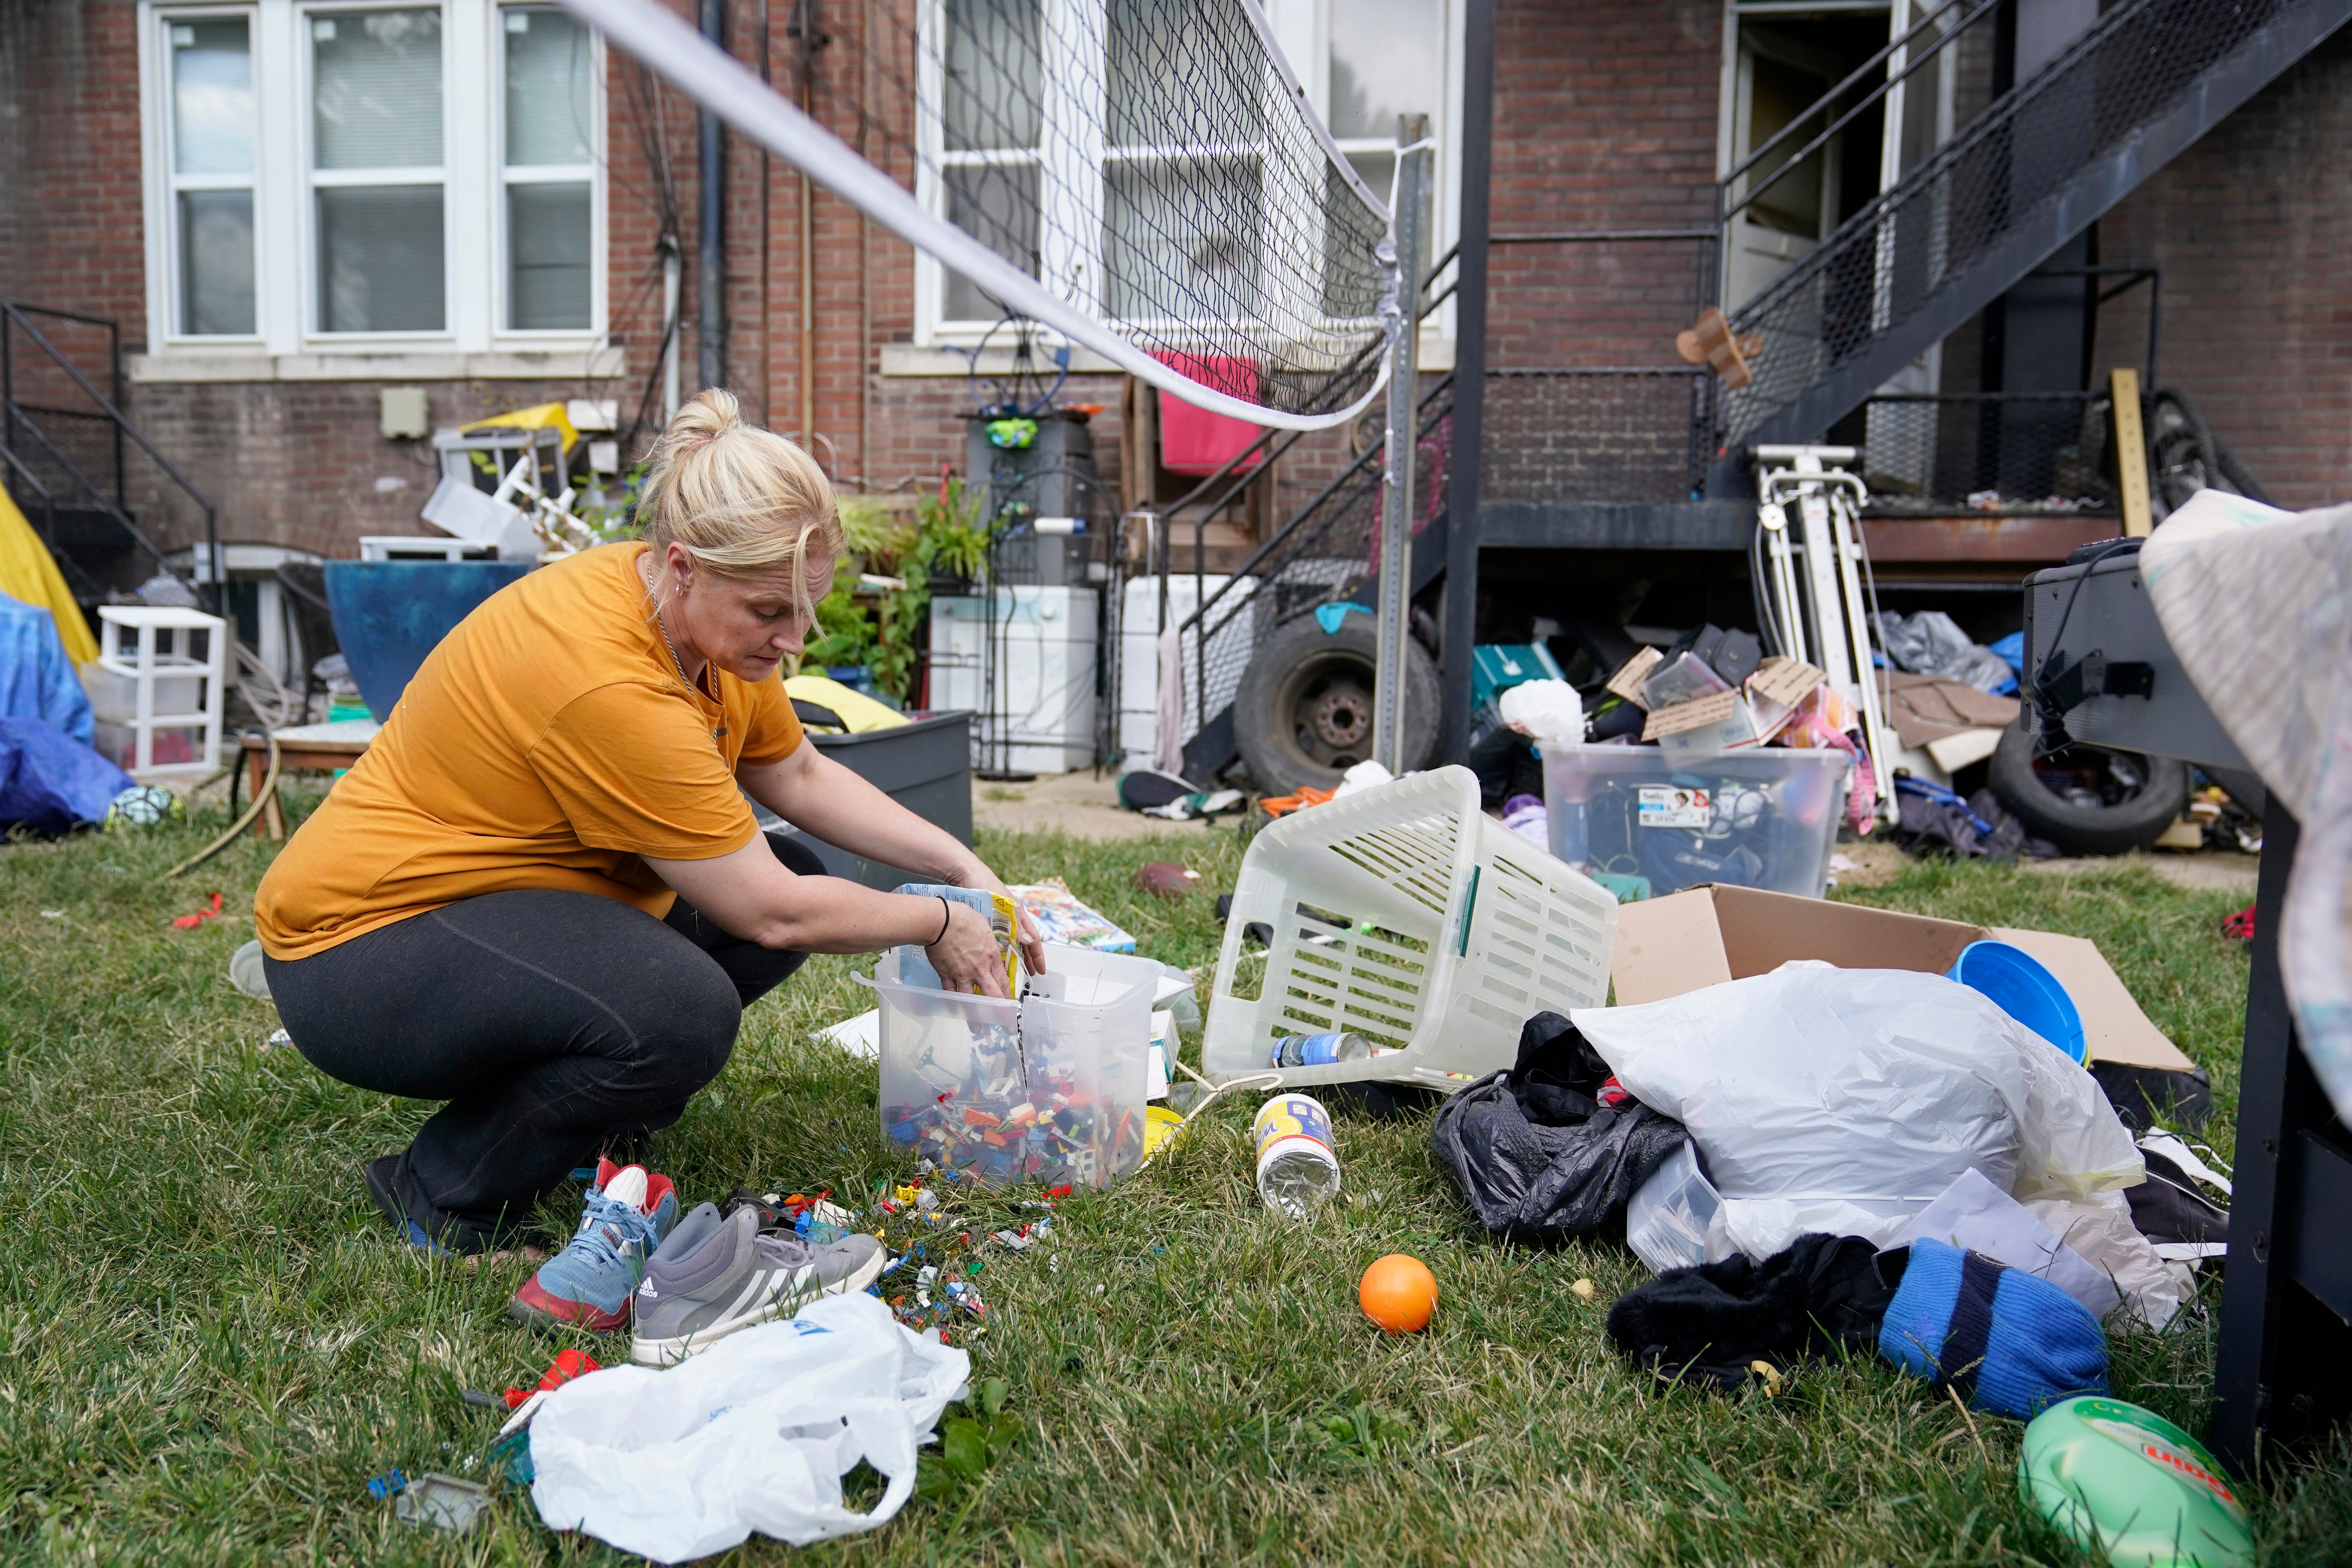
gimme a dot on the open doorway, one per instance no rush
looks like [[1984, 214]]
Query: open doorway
[[1784, 61]]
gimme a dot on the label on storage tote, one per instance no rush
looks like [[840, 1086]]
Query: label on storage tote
[[1665, 805]]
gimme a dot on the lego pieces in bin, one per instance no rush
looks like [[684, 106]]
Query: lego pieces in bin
[[996, 1128]]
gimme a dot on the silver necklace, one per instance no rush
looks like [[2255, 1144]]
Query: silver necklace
[[721, 731], [671, 646]]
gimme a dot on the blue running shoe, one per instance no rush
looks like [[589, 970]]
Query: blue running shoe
[[590, 1283], [384, 1187]]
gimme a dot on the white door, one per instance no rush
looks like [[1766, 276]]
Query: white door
[[1788, 208]]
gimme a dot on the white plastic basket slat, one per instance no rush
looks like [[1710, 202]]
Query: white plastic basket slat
[[1406, 915]]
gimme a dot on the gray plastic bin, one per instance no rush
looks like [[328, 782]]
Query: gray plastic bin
[[925, 766]]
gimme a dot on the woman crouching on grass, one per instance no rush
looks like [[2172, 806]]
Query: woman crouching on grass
[[541, 897]]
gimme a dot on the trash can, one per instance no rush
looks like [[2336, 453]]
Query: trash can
[[925, 766]]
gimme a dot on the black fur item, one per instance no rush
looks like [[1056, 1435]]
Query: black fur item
[[1706, 1325]]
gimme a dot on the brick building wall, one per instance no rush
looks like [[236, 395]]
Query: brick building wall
[[2252, 227], [71, 216], [1605, 118]]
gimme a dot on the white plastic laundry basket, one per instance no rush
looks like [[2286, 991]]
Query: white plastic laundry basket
[[1406, 915]]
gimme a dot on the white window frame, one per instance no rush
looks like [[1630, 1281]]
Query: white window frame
[[510, 174], [1073, 267], [288, 309], [315, 179], [163, 165]]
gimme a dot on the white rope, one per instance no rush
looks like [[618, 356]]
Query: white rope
[[729, 89]]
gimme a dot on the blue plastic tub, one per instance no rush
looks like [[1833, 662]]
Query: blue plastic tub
[[2020, 987], [390, 613]]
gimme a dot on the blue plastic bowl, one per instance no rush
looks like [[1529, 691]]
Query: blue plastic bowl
[[2020, 987]]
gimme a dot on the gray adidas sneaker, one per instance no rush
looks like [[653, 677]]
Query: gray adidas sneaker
[[713, 1276]]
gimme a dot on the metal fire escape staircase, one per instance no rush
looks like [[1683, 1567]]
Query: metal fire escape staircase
[[2033, 170], [65, 451]]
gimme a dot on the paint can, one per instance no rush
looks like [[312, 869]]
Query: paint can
[[1297, 1168]]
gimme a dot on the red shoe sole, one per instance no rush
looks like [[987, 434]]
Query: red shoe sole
[[534, 1306]]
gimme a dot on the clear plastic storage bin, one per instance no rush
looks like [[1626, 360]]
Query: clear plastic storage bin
[[1761, 816], [1048, 1089]]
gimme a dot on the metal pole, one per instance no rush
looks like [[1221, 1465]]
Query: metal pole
[[672, 271], [1394, 611], [1459, 635], [712, 237]]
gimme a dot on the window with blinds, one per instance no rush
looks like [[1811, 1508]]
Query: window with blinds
[[377, 172]]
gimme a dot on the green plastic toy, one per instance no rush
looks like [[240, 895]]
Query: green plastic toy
[[2117, 1477]]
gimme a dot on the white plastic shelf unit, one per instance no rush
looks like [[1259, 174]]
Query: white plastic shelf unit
[[157, 700]]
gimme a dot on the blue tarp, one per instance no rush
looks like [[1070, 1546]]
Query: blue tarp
[[50, 782], [37, 679]]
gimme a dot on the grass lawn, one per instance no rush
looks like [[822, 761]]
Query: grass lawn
[[210, 1341]]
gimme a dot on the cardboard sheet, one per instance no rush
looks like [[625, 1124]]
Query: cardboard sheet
[[1627, 681], [1784, 680], [1704, 936], [1923, 707]]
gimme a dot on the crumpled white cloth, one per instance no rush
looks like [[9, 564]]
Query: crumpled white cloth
[[754, 1433]]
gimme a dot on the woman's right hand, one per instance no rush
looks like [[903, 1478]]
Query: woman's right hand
[[966, 956]]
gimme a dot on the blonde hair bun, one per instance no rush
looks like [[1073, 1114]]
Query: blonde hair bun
[[741, 500]]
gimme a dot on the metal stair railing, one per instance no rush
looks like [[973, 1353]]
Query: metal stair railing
[[78, 580], [16, 415], [1326, 547], [2035, 168]]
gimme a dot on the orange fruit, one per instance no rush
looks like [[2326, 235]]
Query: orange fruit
[[1399, 1293]]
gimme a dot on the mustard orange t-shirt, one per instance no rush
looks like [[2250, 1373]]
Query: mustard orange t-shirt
[[548, 741]]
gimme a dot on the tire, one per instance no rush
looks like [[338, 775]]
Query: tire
[[2133, 817], [1303, 713]]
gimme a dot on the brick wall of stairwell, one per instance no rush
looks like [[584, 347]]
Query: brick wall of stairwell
[[2252, 226], [1604, 118]]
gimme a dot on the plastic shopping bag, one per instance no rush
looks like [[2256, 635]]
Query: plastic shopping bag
[[754, 1433], [1845, 1101]]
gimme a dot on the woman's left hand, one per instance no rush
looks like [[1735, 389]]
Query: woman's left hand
[[1024, 930]]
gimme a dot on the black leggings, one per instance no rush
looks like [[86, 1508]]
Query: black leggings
[[555, 1024]]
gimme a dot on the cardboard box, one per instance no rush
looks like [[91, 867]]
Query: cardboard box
[[1704, 936]]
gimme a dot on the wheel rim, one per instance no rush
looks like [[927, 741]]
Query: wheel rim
[[1323, 711], [2092, 777]]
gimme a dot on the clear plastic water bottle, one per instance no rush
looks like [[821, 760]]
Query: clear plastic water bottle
[[1319, 1051]]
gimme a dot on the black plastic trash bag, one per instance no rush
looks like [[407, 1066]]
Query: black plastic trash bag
[[1537, 1154]]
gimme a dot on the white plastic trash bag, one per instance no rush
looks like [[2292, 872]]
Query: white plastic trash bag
[[1845, 1101], [754, 1433]]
